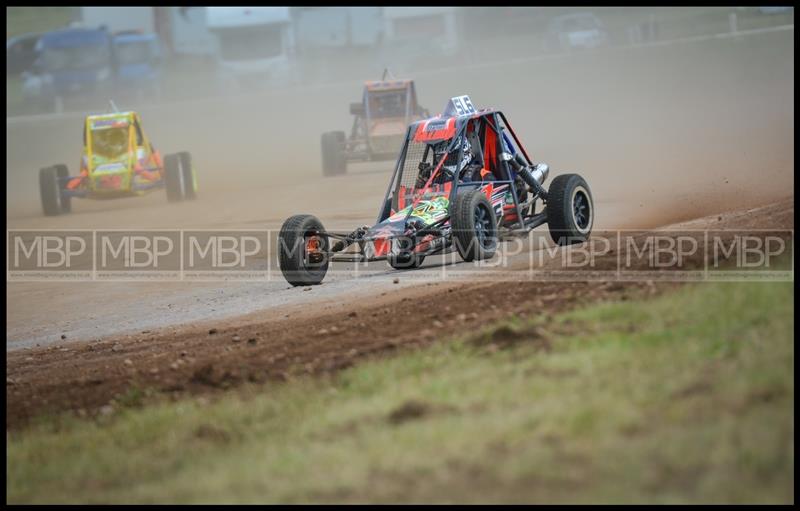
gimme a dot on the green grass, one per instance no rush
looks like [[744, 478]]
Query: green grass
[[688, 397]]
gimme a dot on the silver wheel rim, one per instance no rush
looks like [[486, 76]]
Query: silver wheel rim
[[582, 194]]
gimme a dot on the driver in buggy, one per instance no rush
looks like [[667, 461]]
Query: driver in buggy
[[110, 142], [470, 168]]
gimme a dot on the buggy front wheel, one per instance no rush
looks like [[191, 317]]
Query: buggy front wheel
[[474, 226], [303, 250], [570, 209]]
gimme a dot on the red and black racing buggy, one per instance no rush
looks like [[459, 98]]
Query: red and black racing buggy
[[463, 182]]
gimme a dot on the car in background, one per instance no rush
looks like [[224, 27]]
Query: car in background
[[138, 64], [71, 63], [577, 31], [380, 119], [21, 53], [118, 160]]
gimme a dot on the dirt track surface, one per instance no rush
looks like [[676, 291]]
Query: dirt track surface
[[267, 347], [663, 135]]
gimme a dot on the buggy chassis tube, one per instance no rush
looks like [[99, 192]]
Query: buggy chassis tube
[[84, 193]]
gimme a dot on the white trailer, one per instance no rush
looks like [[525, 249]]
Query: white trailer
[[434, 28], [188, 31], [119, 18], [337, 27], [256, 46]]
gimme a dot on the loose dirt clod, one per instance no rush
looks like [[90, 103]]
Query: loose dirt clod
[[236, 338], [208, 432], [212, 331], [396, 281], [410, 410], [63, 336]]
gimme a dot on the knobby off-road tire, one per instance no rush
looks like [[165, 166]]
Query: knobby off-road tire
[[474, 226], [295, 266], [570, 209], [334, 160]]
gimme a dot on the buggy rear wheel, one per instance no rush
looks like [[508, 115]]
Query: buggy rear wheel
[[174, 177], [50, 191], [474, 226], [570, 209], [334, 160], [66, 200], [189, 177], [303, 250]]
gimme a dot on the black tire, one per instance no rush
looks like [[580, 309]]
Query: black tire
[[406, 259], [295, 266], [334, 161], [50, 191], [474, 226], [173, 177], [189, 179], [570, 209], [66, 200]]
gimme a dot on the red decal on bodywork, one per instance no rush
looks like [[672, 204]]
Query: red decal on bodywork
[[381, 246], [435, 129]]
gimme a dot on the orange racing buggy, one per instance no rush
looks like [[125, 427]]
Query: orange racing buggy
[[379, 123], [461, 183], [118, 160]]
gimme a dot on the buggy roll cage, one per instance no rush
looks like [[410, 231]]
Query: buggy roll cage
[[487, 119]]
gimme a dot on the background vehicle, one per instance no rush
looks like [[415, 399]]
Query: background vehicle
[[461, 183], [138, 64], [21, 53], [256, 46], [379, 125], [71, 63], [118, 160], [581, 30], [80, 64]]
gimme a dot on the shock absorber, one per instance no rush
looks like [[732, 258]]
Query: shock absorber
[[533, 178]]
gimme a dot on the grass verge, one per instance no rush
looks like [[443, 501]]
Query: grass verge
[[687, 398]]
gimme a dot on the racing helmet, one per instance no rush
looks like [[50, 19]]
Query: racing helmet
[[451, 164], [111, 141]]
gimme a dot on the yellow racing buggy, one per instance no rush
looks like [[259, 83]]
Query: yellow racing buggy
[[118, 160]]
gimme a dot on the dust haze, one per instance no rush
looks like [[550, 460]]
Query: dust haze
[[662, 132]]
